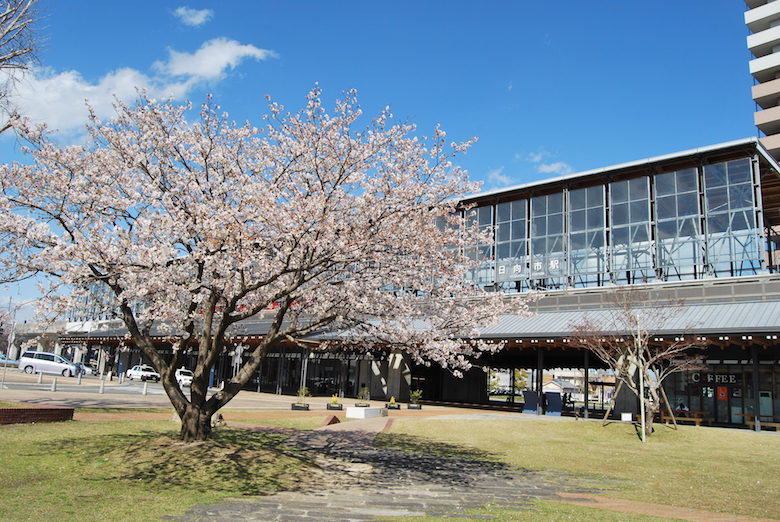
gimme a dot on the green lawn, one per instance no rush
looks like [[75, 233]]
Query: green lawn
[[123, 470], [132, 469], [726, 470]]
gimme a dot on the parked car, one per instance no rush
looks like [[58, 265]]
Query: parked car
[[86, 369], [143, 372], [46, 362], [184, 377], [5, 360]]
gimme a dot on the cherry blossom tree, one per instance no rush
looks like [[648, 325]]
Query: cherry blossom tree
[[628, 337], [315, 221]]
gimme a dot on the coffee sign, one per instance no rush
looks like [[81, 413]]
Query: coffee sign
[[720, 379]]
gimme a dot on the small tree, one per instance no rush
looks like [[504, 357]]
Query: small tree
[[521, 379], [316, 222], [494, 383], [632, 338]]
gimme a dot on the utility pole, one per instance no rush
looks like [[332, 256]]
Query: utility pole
[[11, 338]]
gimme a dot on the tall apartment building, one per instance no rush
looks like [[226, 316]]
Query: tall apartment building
[[763, 20]]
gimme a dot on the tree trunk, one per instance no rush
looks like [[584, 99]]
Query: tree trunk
[[195, 425], [650, 411]]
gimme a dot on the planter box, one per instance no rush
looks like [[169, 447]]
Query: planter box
[[393, 406], [414, 406], [335, 406], [365, 413], [301, 407], [362, 404], [35, 414]]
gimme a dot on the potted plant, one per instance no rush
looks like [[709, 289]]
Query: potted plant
[[301, 403], [414, 400], [364, 396], [334, 403], [392, 405]]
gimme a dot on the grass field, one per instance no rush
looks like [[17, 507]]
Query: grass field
[[726, 470], [121, 466], [123, 470]]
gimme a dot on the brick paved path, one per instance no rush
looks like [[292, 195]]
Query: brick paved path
[[359, 481]]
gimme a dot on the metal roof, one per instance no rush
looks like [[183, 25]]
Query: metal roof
[[719, 319], [637, 163], [735, 318]]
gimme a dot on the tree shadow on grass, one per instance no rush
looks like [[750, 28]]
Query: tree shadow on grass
[[234, 461], [422, 446], [394, 458]]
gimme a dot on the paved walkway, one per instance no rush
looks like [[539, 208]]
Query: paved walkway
[[359, 481]]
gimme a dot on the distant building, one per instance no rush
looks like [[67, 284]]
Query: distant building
[[763, 21]]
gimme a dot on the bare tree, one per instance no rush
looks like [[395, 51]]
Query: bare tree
[[643, 340], [17, 47]]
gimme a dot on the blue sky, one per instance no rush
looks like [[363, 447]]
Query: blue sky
[[548, 87]]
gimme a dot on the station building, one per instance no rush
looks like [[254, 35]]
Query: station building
[[699, 225]]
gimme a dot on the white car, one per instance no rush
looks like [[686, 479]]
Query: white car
[[86, 369], [184, 377], [143, 372]]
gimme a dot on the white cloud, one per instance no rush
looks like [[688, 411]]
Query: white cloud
[[559, 167], [193, 17], [210, 61], [58, 98], [496, 177]]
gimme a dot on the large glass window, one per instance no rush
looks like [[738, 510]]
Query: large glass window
[[631, 245], [547, 264], [482, 253], [678, 235], [587, 263], [732, 234], [511, 239]]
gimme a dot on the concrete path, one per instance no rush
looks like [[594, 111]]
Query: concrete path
[[359, 481]]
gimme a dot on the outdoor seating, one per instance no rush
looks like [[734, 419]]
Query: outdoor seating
[[695, 417]]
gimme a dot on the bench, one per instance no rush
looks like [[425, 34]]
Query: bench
[[770, 422], [764, 424], [695, 417]]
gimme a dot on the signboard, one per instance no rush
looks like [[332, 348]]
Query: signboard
[[728, 379], [723, 393], [511, 269], [550, 265]]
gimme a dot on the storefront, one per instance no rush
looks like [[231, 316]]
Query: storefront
[[725, 390]]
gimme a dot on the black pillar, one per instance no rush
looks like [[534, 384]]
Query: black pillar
[[279, 372], [512, 378], [586, 372], [756, 395], [539, 380]]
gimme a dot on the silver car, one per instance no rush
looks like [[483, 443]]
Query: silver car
[[46, 362]]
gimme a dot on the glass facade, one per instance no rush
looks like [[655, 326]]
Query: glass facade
[[687, 224], [725, 391], [678, 224], [587, 236], [730, 206], [511, 241], [548, 256], [482, 253]]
